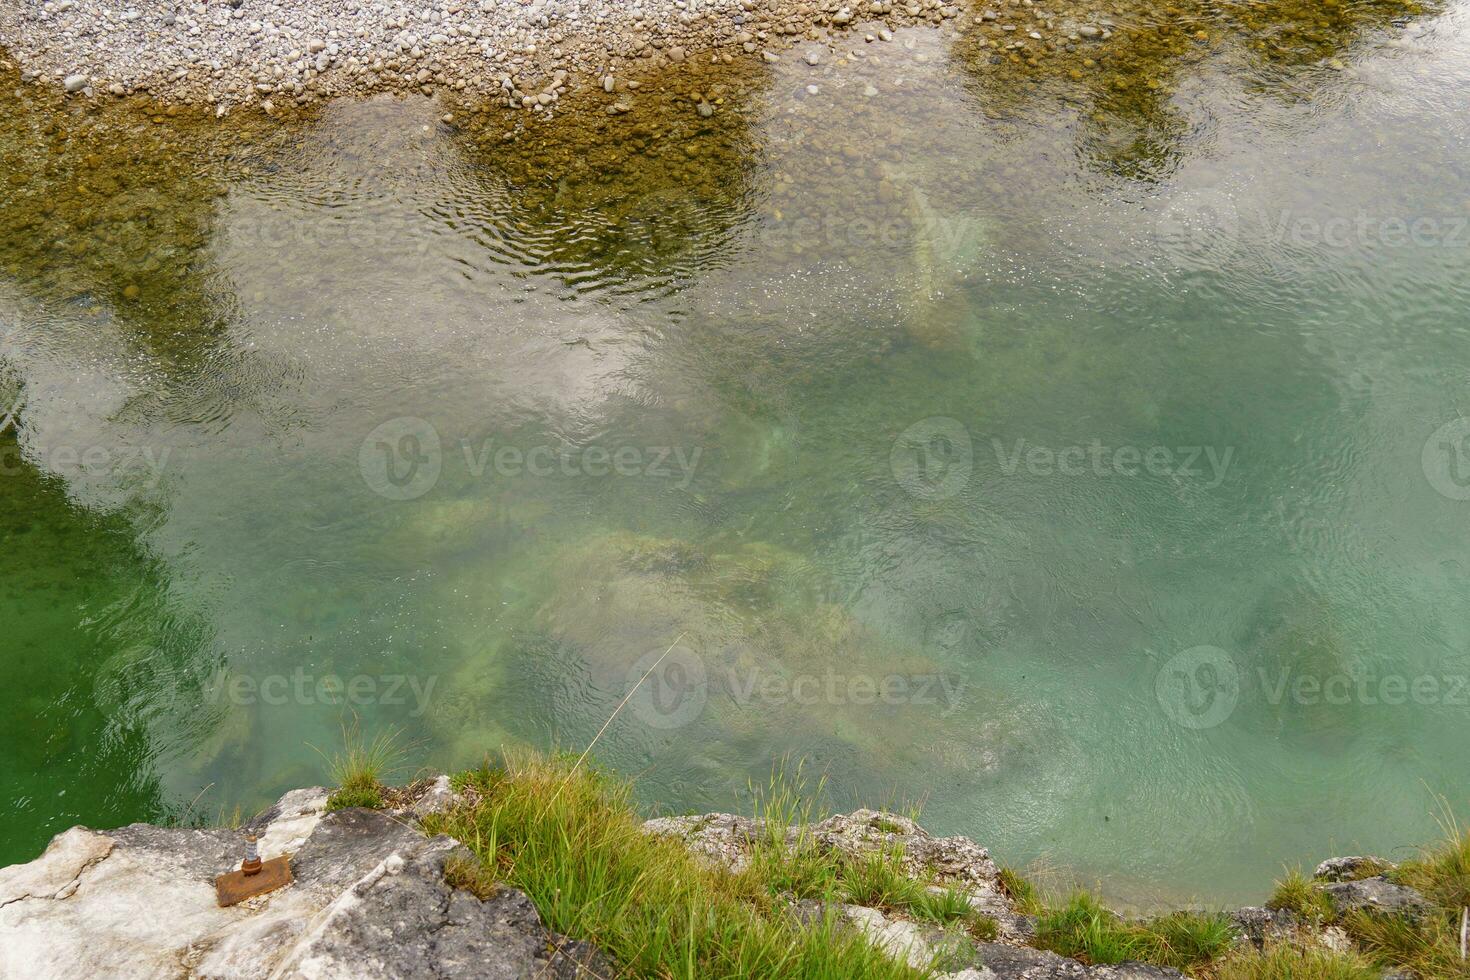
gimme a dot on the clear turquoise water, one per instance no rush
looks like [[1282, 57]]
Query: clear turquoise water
[[1017, 449]]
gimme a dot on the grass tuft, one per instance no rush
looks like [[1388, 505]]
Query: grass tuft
[[1297, 893], [1441, 872], [942, 905], [1429, 947], [786, 859], [369, 797], [877, 880], [1084, 929], [1282, 961], [471, 875], [982, 928], [1189, 938], [1023, 894], [361, 765]]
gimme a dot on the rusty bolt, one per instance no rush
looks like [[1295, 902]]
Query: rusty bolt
[[251, 864]]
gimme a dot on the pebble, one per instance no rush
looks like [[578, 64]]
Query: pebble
[[225, 53]]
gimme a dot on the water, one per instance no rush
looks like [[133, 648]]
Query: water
[[1004, 440]]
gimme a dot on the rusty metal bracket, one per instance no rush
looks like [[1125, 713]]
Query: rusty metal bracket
[[255, 877], [237, 886]]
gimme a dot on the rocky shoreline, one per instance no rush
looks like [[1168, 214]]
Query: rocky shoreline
[[525, 55], [374, 895]]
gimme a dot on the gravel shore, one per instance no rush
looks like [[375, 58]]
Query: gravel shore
[[524, 55]]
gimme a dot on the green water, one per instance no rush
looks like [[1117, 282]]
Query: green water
[[1003, 439]]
